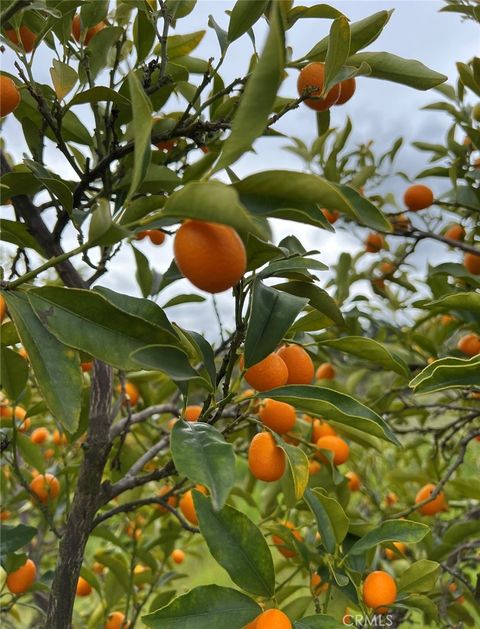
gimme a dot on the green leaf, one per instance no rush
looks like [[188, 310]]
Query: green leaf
[[87, 321], [53, 183], [324, 11], [448, 373], [274, 312], [30, 452], [181, 45], [170, 360], [259, 96], [421, 576], [14, 537], [461, 302], [200, 452], [205, 607], [331, 519], [338, 50], [98, 94], [117, 564], [143, 273], [389, 67], [292, 266], [56, 367], [319, 621], [298, 469], [370, 350], [13, 374], [142, 128], [317, 298], [243, 16], [338, 407], [238, 546], [101, 220], [390, 531], [17, 234], [91, 13], [64, 78], [184, 299], [207, 354]]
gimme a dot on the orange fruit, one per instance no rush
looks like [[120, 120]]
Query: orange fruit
[[4, 515], [3, 308], [313, 75], [83, 587], [391, 498], [171, 500], [314, 467], [192, 413], [332, 217], [400, 546], [98, 567], [27, 38], [347, 90], [278, 416], [321, 429], [87, 366], [45, 486], [418, 197], [379, 590], [40, 435], [210, 255], [77, 30], [265, 459], [354, 481], [58, 438], [434, 506], [156, 236], [401, 223], [49, 454], [141, 235], [116, 620], [9, 96], [446, 319], [269, 373], [187, 507], [337, 445], [455, 232], [325, 371], [469, 344], [166, 145], [471, 262], [20, 580], [299, 364], [387, 268], [131, 392], [280, 542], [178, 555], [273, 619], [374, 243]]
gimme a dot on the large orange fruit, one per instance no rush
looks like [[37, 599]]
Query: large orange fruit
[[418, 197], [187, 507], [434, 506], [347, 90], [27, 37], [279, 416], [379, 590], [313, 75], [469, 344], [269, 373], [337, 445], [273, 619], [471, 262], [45, 486], [265, 459], [210, 255], [299, 364], [9, 96], [20, 580]]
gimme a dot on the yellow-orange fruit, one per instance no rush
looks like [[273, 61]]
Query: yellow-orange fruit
[[77, 30], [83, 587], [141, 235], [469, 344], [354, 481], [314, 467], [116, 620], [87, 366], [22, 579], [387, 268], [331, 216], [45, 486], [374, 243], [49, 454], [273, 619], [157, 237], [471, 262], [418, 197], [178, 555], [313, 75], [187, 507], [269, 373], [40, 435], [337, 445], [434, 506], [171, 500], [455, 232], [280, 542], [131, 391], [98, 567], [265, 459], [9, 96], [446, 319], [3, 308], [325, 371], [299, 364], [192, 413], [278, 416], [4, 515], [391, 498], [379, 590], [400, 546], [321, 429], [27, 37], [58, 438], [347, 90], [210, 255]]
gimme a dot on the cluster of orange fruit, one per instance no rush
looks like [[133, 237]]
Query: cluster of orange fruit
[[311, 80]]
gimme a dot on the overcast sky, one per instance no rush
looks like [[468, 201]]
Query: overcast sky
[[380, 111]]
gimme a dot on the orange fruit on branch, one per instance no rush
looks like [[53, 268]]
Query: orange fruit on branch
[[337, 446], [77, 30], [45, 486], [326, 371], [354, 481], [469, 344], [83, 587], [266, 460], [187, 507], [374, 243], [192, 412], [379, 590], [471, 262], [439, 503], [280, 542], [331, 216], [278, 416], [27, 37], [313, 76], [418, 197], [299, 364], [272, 619], [269, 373], [39, 435], [347, 90], [455, 232], [116, 620], [321, 429], [400, 546], [9, 96], [20, 580], [178, 556]]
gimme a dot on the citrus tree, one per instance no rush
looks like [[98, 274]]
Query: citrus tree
[[315, 467]]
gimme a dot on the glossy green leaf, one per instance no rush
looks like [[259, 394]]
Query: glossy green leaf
[[55, 366], [14, 537], [169, 360], [338, 407], [184, 299], [117, 564], [324, 11], [259, 96], [201, 453], [331, 518], [317, 298], [464, 301], [421, 576], [207, 354], [298, 469], [13, 374], [238, 546], [180, 45], [30, 452], [17, 234], [243, 16], [297, 265], [338, 49], [370, 350], [448, 373], [390, 531], [274, 312], [97, 94], [142, 127], [91, 13], [205, 607], [64, 78]]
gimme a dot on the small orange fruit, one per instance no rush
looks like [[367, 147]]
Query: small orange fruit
[[469, 344], [22, 579], [379, 590], [87, 366], [166, 145], [131, 391], [210, 255], [3, 308], [273, 619], [401, 223], [192, 413], [354, 481], [471, 262], [187, 507], [269, 373], [171, 500], [321, 429], [387, 268], [49, 454], [40, 435], [265, 459], [391, 498], [314, 467], [27, 37], [331, 216], [141, 235], [280, 542], [400, 546], [58, 438], [4, 515], [347, 90], [157, 237], [98, 567], [434, 506], [116, 620], [178, 555], [337, 445], [83, 587], [325, 371], [418, 197], [374, 243], [455, 232], [9, 96], [446, 319], [313, 75], [278, 416], [299, 364], [45, 486], [77, 30]]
